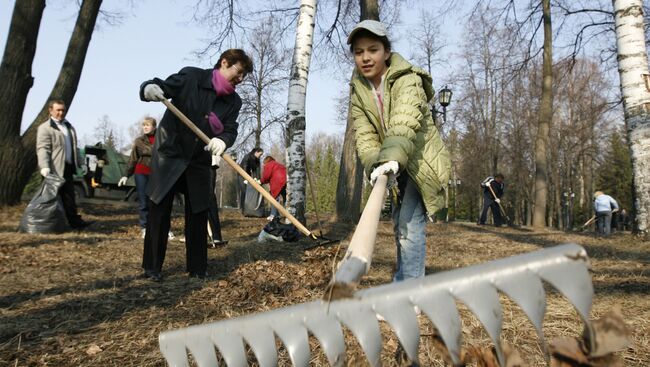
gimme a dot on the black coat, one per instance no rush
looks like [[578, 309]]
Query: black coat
[[176, 148], [251, 164]]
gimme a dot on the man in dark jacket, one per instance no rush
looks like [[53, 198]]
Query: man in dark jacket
[[493, 188], [180, 162]]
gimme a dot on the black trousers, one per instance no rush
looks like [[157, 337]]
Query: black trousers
[[158, 223], [489, 203], [66, 192]]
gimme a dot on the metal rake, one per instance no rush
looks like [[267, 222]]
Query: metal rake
[[519, 277]]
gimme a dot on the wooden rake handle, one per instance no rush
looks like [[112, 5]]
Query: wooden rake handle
[[236, 167], [503, 212]]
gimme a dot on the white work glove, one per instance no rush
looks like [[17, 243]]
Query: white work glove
[[45, 172], [216, 146], [384, 169], [216, 160], [245, 182], [122, 181], [152, 92], [498, 200]]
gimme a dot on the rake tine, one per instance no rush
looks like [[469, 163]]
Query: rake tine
[[327, 330], [440, 308], [520, 277], [362, 321], [403, 322], [520, 290]]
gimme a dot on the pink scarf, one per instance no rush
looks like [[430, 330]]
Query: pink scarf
[[222, 87]]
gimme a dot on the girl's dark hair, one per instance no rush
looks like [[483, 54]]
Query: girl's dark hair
[[233, 56], [257, 150], [366, 33]]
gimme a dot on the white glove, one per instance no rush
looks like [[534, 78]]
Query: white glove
[[384, 169], [152, 92], [498, 200], [122, 181], [216, 160], [45, 172], [245, 182], [216, 146]]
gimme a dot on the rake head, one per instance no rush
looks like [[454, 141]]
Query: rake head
[[519, 277]]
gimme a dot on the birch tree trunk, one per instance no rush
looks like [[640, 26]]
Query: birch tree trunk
[[296, 174], [544, 124], [633, 70]]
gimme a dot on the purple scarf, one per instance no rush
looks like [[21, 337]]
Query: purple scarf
[[222, 87]]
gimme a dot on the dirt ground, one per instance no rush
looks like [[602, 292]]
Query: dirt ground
[[77, 299]]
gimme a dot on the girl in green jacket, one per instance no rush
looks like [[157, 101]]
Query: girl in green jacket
[[395, 136]]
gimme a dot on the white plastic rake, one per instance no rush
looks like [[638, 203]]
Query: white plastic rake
[[519, 277]]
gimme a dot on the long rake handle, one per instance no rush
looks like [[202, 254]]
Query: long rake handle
[[356, 262], [239, 170]]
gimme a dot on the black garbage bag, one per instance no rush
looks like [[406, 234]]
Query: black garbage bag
[[278, 231], [253, 203], [45, 213]]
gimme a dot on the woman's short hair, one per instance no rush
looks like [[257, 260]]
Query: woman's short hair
[[236, 55], [149, 120], [268, 158]]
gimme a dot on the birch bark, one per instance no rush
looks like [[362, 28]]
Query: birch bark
[[635, 79], [295, 134]]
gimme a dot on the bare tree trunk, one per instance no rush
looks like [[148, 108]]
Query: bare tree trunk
[[544, 124], [350, 182], [296, 180], [633, 70], [18, 158], [16, 71]]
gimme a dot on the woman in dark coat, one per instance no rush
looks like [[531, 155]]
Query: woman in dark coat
[[181, 162]]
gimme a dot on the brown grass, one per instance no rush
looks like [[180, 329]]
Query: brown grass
[[76, 299]]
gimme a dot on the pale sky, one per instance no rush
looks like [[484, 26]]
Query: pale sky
[[149, 43]]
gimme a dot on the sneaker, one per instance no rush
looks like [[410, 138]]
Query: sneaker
[[217, 243], [170, 236], [270, 217], [143, 232]]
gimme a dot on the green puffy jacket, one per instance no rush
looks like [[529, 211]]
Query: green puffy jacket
[[409, 137]]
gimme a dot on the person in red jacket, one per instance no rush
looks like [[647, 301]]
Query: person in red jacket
[[275, 174]]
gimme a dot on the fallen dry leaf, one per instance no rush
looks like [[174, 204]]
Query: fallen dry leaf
[[611, 334], [93, 349]]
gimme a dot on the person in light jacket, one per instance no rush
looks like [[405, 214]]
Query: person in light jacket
[[396, 136], [56, 150], [604, 205]]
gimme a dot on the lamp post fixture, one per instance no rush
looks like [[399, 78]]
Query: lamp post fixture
[[444, 98]]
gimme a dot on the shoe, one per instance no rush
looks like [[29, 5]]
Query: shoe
[[81, 224], [153, 275], [270, 217], [170, 236], [199, 275], [217, 243], [143, 231]]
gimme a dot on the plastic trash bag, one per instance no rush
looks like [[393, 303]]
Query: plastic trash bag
[[279, 232], [45, 213], [253, 203]]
